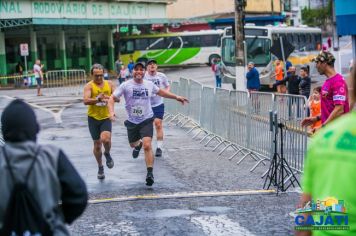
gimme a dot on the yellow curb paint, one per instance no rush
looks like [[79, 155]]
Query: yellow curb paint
[[180, 195]]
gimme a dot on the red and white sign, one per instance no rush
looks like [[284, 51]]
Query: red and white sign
[[24, 49]]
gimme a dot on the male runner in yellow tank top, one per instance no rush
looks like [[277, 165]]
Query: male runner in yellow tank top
[[96, 95]]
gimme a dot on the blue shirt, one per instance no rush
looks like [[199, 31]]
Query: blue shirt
[[253, 79]]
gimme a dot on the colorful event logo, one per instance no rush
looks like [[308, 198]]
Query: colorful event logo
[[327, 214]]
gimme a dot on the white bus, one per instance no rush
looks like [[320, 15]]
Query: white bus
[[178, 48], [258, 41]]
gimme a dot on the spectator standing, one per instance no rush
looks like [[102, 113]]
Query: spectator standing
[[305, 82], [329, 42], [278, 74], [293, 82], [334, 92], [288, 65], [37, 70], [253, 78], [124, 74], [130, 67], [216, 68], [118, 65], [51, 179]]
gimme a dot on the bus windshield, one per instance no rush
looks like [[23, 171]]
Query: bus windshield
[[228, 51], [258, 51]]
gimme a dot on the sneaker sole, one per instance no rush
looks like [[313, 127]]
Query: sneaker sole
[[101, 176], [110, 164], [149, 181]]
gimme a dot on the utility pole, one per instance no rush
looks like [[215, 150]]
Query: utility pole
[[239, 31]]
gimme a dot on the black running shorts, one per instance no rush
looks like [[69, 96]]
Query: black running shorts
[[136, 132], [96, 127]]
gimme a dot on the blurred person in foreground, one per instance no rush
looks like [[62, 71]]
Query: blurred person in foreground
[[52, 178], [330, 168], [334, 92]]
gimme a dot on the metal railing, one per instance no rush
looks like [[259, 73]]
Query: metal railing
[[64, 82], [241, 121]]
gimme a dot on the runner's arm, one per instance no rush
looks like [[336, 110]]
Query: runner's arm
[[167, 94], [87, 100], [338, 111], [111, 106]]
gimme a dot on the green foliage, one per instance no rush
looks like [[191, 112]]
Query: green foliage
[[317, 17]]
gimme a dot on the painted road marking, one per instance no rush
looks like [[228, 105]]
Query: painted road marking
[[55, 112], [220, 225], [181, 195]]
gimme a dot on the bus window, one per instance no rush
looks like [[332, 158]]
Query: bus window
[[258, 51], [192, 41], [126, 46], [141, 44], [308, 40], [174, 42], [296, 41], [290, 38], [218, 41], [209, 40], [302, 42], [158, 43], [228, 51]]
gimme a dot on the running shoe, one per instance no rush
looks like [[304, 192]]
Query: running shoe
[[149, 179], [158, 152], [136, 150], [109, 160], [101, 174]]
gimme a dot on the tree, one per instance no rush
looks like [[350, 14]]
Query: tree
[[317, 17]]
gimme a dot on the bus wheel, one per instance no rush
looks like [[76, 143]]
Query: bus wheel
[[234, 86], [212, 57]]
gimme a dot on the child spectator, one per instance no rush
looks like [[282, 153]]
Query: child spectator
[[315, 107]]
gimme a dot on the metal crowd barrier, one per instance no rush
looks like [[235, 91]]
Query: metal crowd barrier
[[240, 120], [291, 110], [171, 106], [65, 82], [17, 81]]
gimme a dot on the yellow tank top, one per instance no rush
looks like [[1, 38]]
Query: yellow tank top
[[99, 111]]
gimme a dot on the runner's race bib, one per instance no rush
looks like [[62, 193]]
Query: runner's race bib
[[137, 111]]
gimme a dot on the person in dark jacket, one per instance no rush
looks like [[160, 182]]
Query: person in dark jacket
[[253, 78], [52, 179], [305, 82], [293, 82]]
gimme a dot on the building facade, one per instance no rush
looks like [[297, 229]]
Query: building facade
[[70, 34], [188, 9]]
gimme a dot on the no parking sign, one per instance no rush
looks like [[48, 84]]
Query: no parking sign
[[24, 49]]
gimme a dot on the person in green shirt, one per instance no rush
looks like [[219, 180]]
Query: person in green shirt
[[330, 168]]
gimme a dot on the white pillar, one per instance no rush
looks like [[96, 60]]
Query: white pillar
[[62, 49], [34, 54], [88, 51]]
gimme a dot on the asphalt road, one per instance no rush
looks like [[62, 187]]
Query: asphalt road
[[196, 191]]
